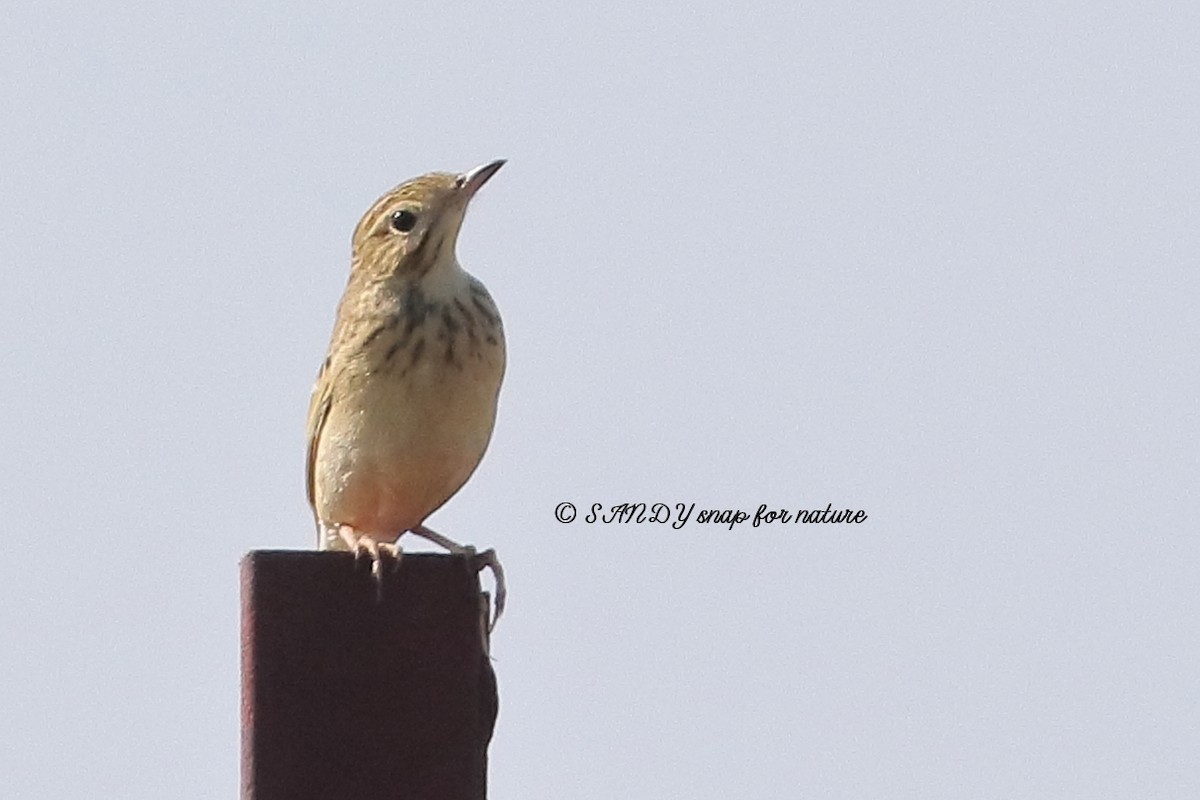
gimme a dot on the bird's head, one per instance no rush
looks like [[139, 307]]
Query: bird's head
[[414, 227]]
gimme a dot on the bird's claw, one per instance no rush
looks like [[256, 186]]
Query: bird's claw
[[376, 551], [489, 560]]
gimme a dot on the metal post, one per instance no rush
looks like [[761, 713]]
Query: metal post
[[350, 697]]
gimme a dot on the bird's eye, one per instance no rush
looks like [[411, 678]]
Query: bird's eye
[[403, 221]]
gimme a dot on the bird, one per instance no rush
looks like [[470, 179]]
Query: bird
[[405, 402]]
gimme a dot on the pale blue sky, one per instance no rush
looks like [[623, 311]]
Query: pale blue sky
[[937, 261]]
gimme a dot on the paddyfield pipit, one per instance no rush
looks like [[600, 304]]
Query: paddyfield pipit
[[405, 402]]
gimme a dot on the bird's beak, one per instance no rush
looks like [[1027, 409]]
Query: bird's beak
[[476, 178]]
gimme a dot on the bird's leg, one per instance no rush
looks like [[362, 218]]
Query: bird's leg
[[478, 561], [431, 535]]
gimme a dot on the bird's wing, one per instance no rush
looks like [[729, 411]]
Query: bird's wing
[[318, 412]]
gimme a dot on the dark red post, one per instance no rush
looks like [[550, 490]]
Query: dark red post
[[348, 696]]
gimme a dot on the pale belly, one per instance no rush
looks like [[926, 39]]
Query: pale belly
[[394, 450]]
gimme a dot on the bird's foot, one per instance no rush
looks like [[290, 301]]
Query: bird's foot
[[489, 559], [477, 561], [378, 552]]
